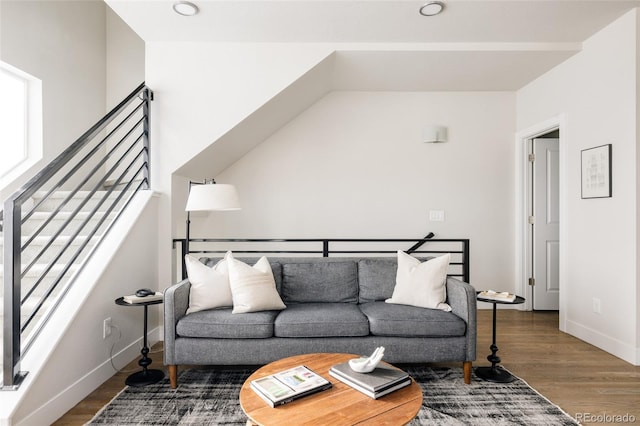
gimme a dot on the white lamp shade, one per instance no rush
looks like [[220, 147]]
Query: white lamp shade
[[434, 134], [214, 196]]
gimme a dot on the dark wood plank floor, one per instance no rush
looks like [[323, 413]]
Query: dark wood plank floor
[[578, 377]]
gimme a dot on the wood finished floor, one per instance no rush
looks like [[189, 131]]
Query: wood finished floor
[[578, 377]]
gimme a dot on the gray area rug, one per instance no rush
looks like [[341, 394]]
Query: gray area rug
[[210, 397]]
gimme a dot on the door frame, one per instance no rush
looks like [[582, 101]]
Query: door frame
[[522, 246]]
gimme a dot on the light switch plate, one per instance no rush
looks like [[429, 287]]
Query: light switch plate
[[436, 215]]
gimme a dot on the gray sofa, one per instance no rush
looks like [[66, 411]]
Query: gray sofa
[[333, 305]]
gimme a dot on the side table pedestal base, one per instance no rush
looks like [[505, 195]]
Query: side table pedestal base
[[145, 377], [494, 374]]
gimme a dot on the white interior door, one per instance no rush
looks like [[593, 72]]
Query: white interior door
[[546, 224]]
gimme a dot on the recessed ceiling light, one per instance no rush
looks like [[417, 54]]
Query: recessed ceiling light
[[432, 8], [185, 8]]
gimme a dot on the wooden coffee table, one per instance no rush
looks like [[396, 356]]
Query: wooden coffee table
[[340, 405]]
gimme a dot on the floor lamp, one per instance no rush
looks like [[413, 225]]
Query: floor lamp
[[208, 196]]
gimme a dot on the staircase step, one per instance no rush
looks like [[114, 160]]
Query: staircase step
[[29, 280], [54, 201], [56, 246], [26, 313], [77, 223], [36, 272], [39, 268]]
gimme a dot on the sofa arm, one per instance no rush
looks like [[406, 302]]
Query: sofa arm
[[462, 299], [176, 302]]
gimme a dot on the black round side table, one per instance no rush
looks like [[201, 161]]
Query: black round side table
[[495, 373], [146, 376]]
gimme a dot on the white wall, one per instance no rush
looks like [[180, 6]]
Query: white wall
[[124, 59], [353, 166], [63, 44], [596, 90]]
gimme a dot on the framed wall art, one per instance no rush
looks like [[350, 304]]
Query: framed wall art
[[596, 172]]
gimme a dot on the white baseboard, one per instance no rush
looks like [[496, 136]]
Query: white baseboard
[[608, 344], [68, 398]]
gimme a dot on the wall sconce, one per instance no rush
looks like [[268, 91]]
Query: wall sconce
[[434, 134]]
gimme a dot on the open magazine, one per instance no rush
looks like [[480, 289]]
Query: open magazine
[[289, 385]]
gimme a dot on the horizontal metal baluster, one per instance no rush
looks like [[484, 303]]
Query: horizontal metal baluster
[[35, 332], [40, 179], [81, 163], [258, 251], [74, 213], [83, 245], [86, 179]]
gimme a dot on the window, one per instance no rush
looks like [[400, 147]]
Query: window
[[20, 121]]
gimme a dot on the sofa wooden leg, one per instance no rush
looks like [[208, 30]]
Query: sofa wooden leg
[[173, 376], [466, 367]]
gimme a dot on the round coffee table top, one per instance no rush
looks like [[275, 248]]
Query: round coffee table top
[[340, 405]]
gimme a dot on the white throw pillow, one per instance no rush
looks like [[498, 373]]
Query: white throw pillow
[[253, 288], [421, 284], [209, 285]]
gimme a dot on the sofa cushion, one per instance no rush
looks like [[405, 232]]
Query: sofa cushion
[[321, 320], [376, 278], [386, 319], [330, 282], [222, 324]]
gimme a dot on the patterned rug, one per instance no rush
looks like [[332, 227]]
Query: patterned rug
[[210, 397]]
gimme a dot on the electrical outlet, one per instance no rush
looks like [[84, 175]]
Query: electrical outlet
[[597, 308], [106, 328]]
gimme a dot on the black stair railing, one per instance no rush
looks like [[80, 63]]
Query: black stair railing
[[327, 247], [85, 189]]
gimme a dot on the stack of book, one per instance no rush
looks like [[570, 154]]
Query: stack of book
[[132, 298], [289, 385], [381, 381], [500, 296]]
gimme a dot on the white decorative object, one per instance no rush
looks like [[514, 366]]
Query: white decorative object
[[367, 364]]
